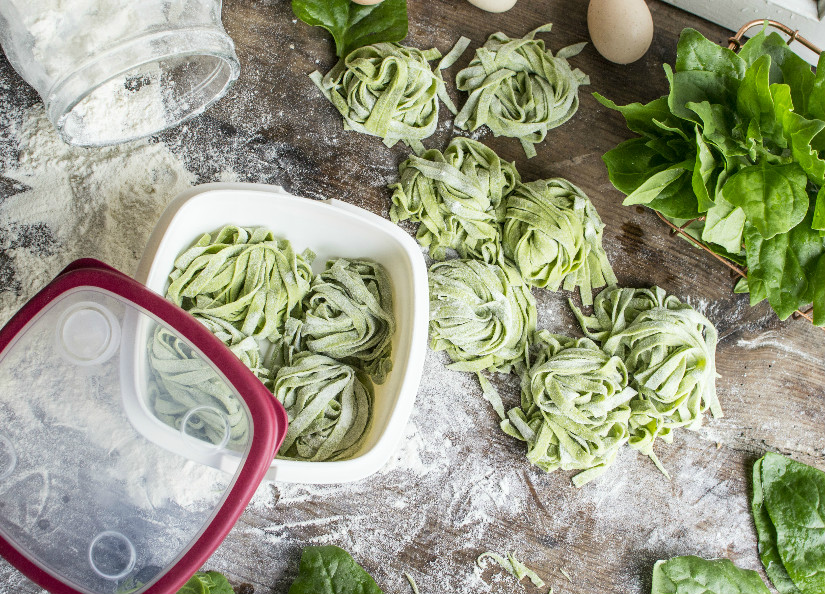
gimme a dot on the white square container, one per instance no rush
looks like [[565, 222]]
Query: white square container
[[331, 229]]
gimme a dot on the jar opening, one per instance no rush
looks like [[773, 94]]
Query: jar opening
[[146, 99]]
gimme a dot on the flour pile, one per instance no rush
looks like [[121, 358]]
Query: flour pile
[[74, 202]]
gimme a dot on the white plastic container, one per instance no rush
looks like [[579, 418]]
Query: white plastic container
[[330, 228]]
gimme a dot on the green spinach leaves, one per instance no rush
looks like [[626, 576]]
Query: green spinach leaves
[[207, 582], [694, 575], [789, 513], [354, 25], [738, 143], [331, 570]]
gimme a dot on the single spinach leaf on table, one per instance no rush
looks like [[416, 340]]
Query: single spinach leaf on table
[[331, 570], [766, 535], [784, 268], [354, 25], [774, 197], [207, 582], [694, 575], [789, 512]]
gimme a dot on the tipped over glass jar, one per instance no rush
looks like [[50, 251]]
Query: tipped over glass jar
[[110, 71]]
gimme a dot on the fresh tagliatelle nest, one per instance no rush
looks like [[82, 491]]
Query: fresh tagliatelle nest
[[390, 91], [458, 196], [518, 88], [315, 341]]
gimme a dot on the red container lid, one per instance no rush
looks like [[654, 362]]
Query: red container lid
[[131, 439]]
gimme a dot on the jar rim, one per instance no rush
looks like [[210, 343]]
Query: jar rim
[[118, 61]]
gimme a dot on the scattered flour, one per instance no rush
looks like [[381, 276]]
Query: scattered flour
[[75, 202]]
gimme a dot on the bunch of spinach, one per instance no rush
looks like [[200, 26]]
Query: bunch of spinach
[[354, 25], [739, 144], [789, 513], [331, 570], [694, 575]]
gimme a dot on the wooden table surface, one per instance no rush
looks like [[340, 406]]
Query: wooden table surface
[[457, 489]]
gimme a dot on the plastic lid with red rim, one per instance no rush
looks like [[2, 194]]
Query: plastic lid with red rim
[[131, 439]]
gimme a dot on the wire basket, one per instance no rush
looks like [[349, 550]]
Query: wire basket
[[735, 43]]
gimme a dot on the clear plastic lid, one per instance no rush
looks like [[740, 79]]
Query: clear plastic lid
[[122, 445]]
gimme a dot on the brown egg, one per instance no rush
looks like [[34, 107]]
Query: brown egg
[[367, 2], [621, 30], [493, 5]]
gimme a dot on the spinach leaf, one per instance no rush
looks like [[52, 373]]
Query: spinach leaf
[[704, 174], [819, 292], [785, 266], [207, 582], [694, 575], [741, 139], [774, 197], [354, 25], [631, 163], [695, 52], [725, 225], [765, 532], [789, 512], [331, 570], [646, 119]]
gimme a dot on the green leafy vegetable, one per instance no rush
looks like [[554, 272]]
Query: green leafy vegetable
[[353, 25], [331, 570], [789, 513], [694, 575], [736, 149]]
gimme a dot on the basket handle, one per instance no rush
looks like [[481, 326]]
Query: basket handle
[[735, 42]]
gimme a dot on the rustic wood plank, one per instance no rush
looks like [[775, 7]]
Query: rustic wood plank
[[457, 490]]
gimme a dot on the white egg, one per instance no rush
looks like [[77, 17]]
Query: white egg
[[493, 5], [367, 2], [621, 30]]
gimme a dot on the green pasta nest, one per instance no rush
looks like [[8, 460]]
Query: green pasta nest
[[574, 409], [670, 352], [520, 89], [348, 315], [481, 314], [329, 407], [390, 91], [458, 196], [244, 278], [554, 235]]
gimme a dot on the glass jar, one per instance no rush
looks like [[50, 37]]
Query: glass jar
[[110, 71]]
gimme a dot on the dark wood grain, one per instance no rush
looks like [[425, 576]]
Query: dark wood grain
[[274, 127]]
